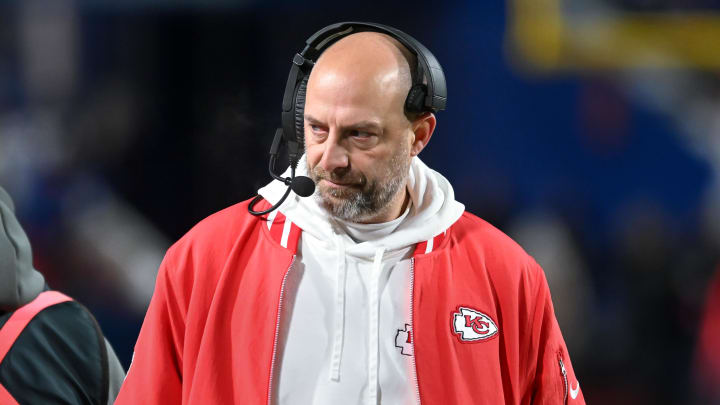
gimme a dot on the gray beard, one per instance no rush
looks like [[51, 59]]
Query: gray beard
[[365, 204], [373, 200]]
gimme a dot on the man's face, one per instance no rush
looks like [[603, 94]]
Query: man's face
[[357, 142]]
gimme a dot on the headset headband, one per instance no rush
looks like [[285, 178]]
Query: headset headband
[[429, 66]]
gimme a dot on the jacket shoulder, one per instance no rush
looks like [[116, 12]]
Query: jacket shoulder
[[486, 237], [488, 245], [201, 254]]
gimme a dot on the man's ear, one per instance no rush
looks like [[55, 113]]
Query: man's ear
[[423, 128]]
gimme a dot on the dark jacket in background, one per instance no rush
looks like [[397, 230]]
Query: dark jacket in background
[[61, 357]]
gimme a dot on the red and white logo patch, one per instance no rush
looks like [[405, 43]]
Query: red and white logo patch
[[470, 325], [403, 340]]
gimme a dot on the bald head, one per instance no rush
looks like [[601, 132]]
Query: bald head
[[364, 65]]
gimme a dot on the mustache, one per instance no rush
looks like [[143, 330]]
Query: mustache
[[339, 176]]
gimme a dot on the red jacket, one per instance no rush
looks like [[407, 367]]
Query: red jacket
[[210, 334]]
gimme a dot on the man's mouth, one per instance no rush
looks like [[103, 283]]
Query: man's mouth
[[338, 184]]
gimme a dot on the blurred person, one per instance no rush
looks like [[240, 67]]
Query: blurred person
[[549, 239], [52, 350], [707, 356], [378, 289]]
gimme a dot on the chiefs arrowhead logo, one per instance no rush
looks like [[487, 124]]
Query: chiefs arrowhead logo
[[403, 340], [470, 325]]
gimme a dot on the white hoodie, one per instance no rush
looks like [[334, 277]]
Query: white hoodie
[[345, 336]]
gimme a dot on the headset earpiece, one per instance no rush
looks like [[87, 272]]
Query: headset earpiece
[[300, 94], [415, 101]]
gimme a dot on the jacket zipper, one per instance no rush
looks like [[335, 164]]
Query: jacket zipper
[[412, 326], [565, 380], [277, 331]]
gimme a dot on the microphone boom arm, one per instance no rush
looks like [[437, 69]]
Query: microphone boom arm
[[274, 151]]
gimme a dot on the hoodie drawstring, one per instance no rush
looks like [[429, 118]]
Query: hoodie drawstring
[[374, 320], [373, 341], [338, 333]]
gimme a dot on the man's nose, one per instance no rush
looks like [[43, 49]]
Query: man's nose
[[334, 155]]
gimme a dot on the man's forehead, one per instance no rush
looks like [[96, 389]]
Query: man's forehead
[[354, 93]]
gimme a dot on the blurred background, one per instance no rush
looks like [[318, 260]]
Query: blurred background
[[589, 130]]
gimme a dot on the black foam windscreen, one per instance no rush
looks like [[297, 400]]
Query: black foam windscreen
[[303, 186]]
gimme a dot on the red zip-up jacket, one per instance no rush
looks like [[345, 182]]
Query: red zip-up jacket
[[484, 330]]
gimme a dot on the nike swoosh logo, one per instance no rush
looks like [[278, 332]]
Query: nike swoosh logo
[[575, 391]]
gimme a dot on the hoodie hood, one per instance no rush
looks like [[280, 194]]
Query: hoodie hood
[[20, 283], [433, 210]]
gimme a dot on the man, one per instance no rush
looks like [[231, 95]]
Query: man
[[51, 348], [378, 289]]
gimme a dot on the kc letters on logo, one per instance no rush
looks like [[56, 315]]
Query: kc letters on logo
[[471, 325]]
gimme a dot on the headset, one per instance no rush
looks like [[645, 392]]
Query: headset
[[428, 93]]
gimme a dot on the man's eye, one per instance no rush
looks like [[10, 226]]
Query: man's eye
[[360, 134], [316, 128]]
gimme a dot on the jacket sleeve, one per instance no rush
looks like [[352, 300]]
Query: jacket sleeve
[[555, 381], [115, 371], [155, 374]]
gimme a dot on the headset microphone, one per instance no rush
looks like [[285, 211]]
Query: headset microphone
[[301, 185]]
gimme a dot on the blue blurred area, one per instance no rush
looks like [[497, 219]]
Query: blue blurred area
[[553, 138], [144, 119]]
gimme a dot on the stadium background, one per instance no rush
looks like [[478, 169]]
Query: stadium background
[[589, 130]]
